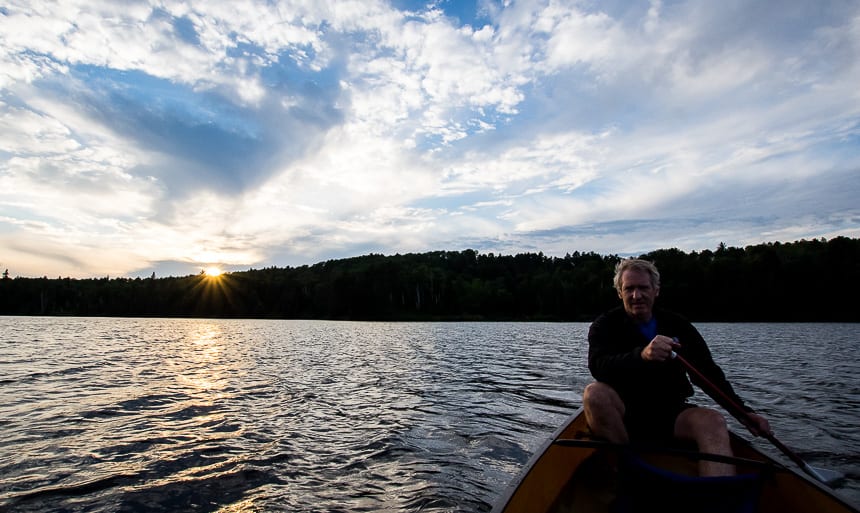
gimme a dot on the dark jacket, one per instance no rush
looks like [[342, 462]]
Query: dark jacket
[[615, 347]]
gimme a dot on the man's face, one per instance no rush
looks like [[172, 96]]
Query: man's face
[[638, 294]]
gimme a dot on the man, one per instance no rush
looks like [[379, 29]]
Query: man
[[641, 391]]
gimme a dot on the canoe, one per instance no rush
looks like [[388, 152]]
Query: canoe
[[575, 472]]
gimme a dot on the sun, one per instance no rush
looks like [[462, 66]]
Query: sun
[[212, 271]]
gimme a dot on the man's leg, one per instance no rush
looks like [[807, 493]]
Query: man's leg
[[708, 429], [604, 412]]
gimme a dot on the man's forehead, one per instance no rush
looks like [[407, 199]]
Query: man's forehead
[[635, 276]]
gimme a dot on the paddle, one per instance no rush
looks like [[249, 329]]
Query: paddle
[[827, 477]]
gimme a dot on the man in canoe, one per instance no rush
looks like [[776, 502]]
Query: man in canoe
[[641, 391]]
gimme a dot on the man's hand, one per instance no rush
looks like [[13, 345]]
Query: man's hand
[[758, 425], [660, 349]]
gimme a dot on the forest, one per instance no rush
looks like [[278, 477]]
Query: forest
[[807, 280]]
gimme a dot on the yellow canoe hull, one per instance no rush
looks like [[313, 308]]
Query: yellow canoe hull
[[573, 472]]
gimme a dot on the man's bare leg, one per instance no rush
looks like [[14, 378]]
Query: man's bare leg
[[708, 429], [604, 412]]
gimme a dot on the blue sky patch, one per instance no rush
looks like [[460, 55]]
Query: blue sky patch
[[323, 131]]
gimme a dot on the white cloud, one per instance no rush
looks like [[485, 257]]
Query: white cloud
[[546, 128], [25, 131], [557, 161], [585, 38]]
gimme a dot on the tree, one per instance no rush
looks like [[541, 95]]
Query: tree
[[798, 281]]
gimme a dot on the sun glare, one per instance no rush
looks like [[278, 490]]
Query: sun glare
[[213, 272]]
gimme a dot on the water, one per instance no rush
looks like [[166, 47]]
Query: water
[[235, 415]]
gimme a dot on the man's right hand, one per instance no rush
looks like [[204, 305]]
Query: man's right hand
[[660, 349]]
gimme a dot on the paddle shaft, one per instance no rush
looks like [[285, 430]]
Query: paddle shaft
[[743, 416]]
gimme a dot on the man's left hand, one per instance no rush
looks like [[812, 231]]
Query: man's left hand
[[758, 425]]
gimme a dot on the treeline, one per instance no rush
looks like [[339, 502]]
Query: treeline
[[798, 281]]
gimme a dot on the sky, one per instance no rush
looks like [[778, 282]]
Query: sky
[[168, 136]]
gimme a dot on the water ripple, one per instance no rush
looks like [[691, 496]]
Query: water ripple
[[139, 415]]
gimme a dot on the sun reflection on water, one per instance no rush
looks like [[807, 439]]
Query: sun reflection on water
[[202, 367]]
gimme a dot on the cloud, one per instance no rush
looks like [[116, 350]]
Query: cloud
[[139, 137]]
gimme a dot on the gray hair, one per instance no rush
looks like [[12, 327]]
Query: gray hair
[[636, 264]]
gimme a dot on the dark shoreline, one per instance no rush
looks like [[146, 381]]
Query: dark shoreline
[[802, 281]]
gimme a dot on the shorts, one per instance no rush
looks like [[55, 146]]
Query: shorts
[[653, 424]]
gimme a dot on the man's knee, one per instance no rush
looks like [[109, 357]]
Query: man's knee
[[592, 393], [712, 420], [702, 421], [604, 412], [599, 394]]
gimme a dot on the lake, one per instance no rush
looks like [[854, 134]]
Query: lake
[[146, 415]]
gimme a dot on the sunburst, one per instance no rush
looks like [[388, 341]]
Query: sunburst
[[213, 292], [213, 271]]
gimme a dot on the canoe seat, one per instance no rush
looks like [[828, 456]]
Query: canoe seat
[[645, 487]]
